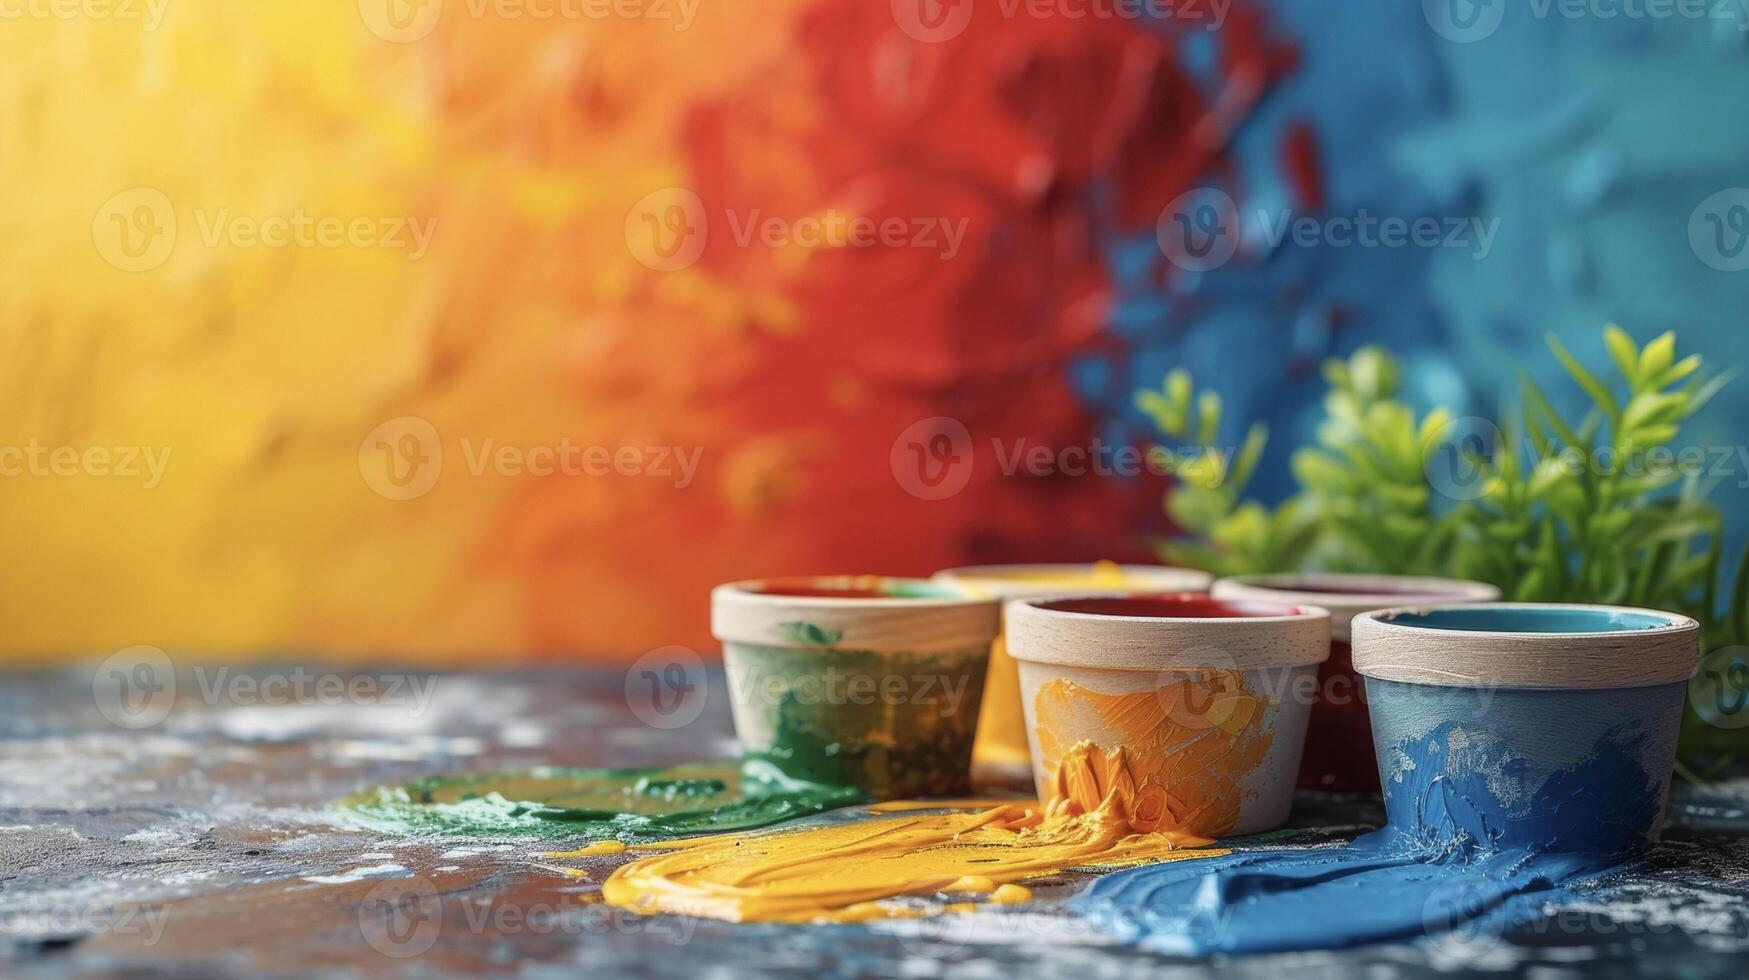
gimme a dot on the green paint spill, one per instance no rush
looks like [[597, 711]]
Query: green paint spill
[[622, 804]]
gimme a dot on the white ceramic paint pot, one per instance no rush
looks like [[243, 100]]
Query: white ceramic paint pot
[[1001, 740], [1517, 725], [1193, 708], [857, 680]]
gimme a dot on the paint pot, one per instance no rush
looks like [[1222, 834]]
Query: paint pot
[[1525, 752], [1339, 754], [1549, 728], [1001, 741], [857, 680], [1197, 706]]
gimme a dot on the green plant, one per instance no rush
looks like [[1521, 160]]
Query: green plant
[[1549, 509], [1227, 534], [1365, 484]]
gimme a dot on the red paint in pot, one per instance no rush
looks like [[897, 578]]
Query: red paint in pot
[[1339, 753], [804, 592], [1181, 605], [1396, 595], [857, 587]]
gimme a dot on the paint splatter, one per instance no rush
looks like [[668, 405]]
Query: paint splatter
[[1191, 743], [612, 804], [848, 872], [1463, 854]]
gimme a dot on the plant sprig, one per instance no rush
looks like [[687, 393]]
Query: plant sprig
[[1551, 509]]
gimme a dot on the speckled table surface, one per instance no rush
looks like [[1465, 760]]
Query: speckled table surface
[[194, 837]]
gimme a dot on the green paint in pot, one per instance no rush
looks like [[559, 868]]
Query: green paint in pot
[[892, 724], [598, 804]]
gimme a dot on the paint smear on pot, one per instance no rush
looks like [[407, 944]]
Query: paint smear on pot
[[1454, 860], [846, 873], [1001, 735], [604, 804], [1190, 745]]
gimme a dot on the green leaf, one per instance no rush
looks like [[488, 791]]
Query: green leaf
[[1534, 398], [1208, 406], [1681, 369], [1622, 349], [1658, 356], [1739, 610], [1592, 386], [1249, 455], [1705, 391]]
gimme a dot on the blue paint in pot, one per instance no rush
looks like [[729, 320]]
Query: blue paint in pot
[[1498, 803], [1536, 619]]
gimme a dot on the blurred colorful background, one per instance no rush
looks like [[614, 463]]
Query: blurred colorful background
[[480, 330]]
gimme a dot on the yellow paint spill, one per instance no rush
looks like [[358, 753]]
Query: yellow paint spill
[[599, 847], [844, 873], [909, 806]]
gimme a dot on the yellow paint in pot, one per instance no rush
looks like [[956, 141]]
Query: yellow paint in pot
[[845, 872], [1001, 735], [1182, 750]]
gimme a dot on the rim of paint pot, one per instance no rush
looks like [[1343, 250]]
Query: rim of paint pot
[[1348, 595], [1173, 631], [1527, 645], [856, 612], [1007, 581]]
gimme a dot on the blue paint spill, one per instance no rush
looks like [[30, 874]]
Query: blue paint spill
[[1481, 837]]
